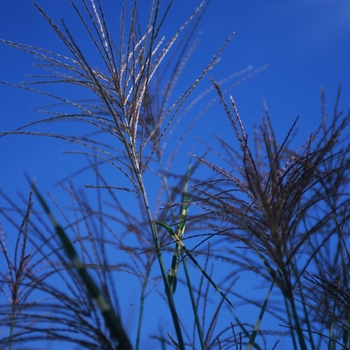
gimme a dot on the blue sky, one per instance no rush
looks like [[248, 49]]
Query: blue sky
[[305, 44]]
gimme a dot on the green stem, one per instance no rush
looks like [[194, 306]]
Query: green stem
[[169, 295], [297, 324], [142, 300], [193, 303], [188, 279]]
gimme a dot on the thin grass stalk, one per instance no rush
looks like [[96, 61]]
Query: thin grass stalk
[[303, 302], [345, 279], [142, 302], [290, 322], [244, 329], [194, 305], [159, 254], [296, 321], [332, 341], [252, 338], [331, 337], [346, 340], [279, 281]]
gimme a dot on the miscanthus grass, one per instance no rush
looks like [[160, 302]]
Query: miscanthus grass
[[269, 210]]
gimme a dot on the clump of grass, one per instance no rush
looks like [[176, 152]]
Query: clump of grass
[[286, 207], [269, 200], [125, 112]]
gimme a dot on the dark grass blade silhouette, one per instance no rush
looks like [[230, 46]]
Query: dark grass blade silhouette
[[112, 320]]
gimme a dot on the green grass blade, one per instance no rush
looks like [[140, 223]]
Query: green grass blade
[[112, 320], [244, 330], [172, 274], [188, 253], [180, 229], [258, 322]]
